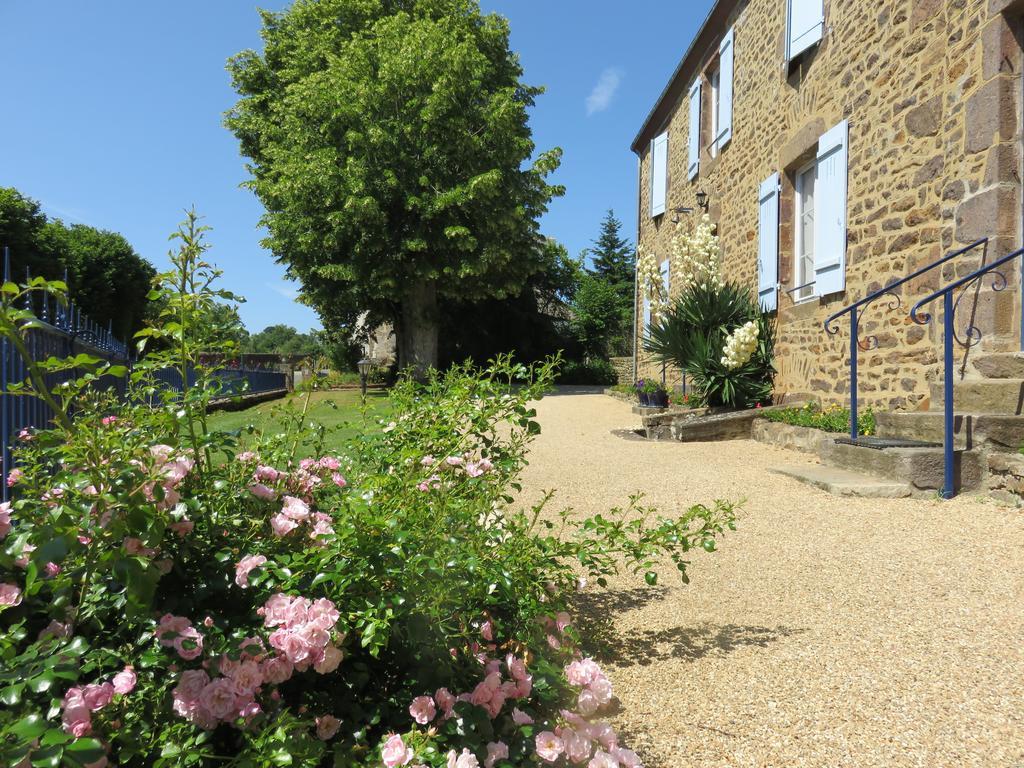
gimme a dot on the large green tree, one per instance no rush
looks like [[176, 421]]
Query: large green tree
[[388, 141], [284, 340], [107, 279]]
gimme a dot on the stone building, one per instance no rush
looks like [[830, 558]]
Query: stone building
[[843, 145]]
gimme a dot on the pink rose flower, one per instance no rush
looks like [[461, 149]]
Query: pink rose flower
[[76, 720], [329, 463], [124, 681], [423, 709], [247, 677], [496, 750], [5, 519], [14, 476], [466, 760], [487, 631], [282, 525], [338, 479], [587, 703], [295, 508], [191, 684], [218, 698], [51, 569], [577, 746], [96, 697], [395, 753], [626, 758], [521, 718], [245, 566], [602, 760], [323, 614], [261, 491], [189, 644], [245, 457], [331, 659], [182, 528], [327, 727], [548, 746], [445, 700], [292, 646], [266, 474], [602, 690], [10, 595], [276, 670]]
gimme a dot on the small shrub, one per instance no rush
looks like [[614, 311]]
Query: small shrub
[[833, 418], [594, 371]]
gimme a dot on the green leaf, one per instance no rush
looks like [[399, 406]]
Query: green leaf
[[651, 578], [29, 728], [11, 695]]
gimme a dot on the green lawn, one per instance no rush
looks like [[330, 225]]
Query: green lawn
[[339, 411]]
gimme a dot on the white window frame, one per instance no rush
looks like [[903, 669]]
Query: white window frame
[[803, 283]]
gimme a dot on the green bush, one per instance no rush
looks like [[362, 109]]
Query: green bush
[[591, 372], [834, 418], [692, 335], [171, 595]]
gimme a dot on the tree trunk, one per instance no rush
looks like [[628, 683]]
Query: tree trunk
[[417, 336]]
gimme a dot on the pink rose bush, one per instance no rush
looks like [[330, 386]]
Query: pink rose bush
[[171, 594]]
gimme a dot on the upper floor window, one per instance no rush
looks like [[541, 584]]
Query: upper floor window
[[805, 26]]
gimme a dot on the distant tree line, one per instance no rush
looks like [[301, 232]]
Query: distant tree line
[[106, 278]]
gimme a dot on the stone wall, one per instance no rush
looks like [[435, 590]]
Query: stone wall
[[932, 92], [623, 367]]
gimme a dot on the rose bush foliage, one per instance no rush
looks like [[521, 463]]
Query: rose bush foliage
[[174, 596]]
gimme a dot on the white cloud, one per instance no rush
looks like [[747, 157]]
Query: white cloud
[[284, 289], [604, 91]]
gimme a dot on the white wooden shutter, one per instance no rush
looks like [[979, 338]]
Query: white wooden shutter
[[694, 128], [768, 244], [725, 76], [830, 211], [806, 25], [659, 173]]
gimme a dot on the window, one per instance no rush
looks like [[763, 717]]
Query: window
[[805, 26], [804, 240], [715, 81], [659, 174]]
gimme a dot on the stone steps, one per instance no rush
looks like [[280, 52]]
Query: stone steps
[[997, 396], [842, 482], [923, 468], [987, 431], [1004, 365]]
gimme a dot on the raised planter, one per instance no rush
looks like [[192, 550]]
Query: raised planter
[[696, 425], [789, 436]]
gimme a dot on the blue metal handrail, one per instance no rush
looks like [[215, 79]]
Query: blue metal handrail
[[872, 341], [973, 336]]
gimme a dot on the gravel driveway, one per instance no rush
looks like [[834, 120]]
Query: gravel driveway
[[825, 632]]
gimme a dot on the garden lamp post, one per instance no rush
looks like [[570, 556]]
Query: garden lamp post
[[364, 366]]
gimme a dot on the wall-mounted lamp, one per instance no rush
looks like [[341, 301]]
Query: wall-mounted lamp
[[702, 200], [677, 211]]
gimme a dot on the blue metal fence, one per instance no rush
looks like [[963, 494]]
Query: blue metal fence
[[65, 331]]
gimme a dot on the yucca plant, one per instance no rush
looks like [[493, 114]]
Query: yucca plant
[[691, 335]]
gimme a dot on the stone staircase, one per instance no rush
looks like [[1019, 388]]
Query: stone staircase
[[907, 459]]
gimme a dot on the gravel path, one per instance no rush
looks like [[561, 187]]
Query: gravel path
[[825, 631]]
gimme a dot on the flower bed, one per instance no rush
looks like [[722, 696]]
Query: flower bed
[[171, 595], [833, 418]]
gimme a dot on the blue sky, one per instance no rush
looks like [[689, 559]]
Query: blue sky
[[111, 116]]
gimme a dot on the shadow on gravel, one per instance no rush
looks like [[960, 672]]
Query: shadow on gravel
[[597, 612]]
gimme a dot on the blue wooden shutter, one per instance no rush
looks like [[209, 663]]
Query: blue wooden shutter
[[768, 244], [647, 315], [659, 173], [725, 76], [806, 25], [830, 212], [694, 128]]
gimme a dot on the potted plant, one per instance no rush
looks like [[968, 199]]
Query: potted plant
[[652, 394]]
